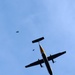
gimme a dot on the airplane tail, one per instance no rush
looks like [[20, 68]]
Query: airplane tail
[[37, 40]]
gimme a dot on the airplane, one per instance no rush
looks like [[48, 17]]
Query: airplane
[[45, 58]]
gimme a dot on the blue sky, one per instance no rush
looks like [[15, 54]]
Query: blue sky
[[53, 19]]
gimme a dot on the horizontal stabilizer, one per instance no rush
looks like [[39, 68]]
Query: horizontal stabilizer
[[37, 40]]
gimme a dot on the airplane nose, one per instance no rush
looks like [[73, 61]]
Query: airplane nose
[[50, 72]]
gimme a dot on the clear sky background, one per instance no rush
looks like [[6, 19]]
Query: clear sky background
[[53, 19]]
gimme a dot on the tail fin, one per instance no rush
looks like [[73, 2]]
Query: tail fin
[[37, 40]]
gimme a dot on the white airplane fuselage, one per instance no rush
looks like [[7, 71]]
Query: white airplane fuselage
[[45, 60]]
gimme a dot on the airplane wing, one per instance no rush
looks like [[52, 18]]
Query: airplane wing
[[39, 62], [51, 57]]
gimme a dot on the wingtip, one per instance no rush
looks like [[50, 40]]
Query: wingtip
[[25, 67], [64, 51]]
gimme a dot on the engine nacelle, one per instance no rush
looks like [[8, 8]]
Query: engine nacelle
[[52, 60], [40, 64]]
